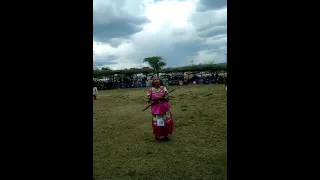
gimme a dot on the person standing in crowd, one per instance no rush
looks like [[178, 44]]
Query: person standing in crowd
[[180, 82], [185, 82], [165, 83], [216, 76], [201, 81], [95, 92], [225, 81], [162, 121]]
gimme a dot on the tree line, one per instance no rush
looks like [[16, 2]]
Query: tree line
[[157, 65]]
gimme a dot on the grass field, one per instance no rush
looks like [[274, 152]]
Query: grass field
[[124, 145]]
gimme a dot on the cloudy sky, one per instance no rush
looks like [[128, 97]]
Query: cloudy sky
[[181, 31]]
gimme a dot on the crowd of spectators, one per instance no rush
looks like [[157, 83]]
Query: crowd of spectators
[[144, 82]]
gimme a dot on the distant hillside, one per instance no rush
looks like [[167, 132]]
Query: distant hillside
[[222, 63], [95, 63]]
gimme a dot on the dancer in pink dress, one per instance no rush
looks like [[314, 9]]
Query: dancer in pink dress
[[162, 121]]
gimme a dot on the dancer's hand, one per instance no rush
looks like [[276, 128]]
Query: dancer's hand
[[155, 101]]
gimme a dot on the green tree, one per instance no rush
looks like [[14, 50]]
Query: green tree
[[156, 62], [97, 73], [106, 69]]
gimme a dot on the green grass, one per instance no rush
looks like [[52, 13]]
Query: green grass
[[124, 145]]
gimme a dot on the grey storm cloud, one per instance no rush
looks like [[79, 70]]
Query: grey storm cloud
[[201, 25], [215, 50], [115, 42], [189, 49], [112, 57], [112, 22], [213, 31], [101, 61], [180, 51], [213, 20], [178, 46], [205, 5]]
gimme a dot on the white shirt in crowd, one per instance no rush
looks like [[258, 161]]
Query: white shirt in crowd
[[95, 90]]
